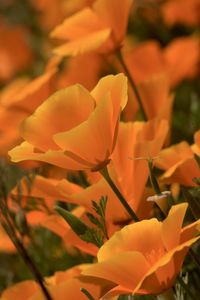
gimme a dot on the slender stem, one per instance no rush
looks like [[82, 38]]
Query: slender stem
[[153, 179], [10, 230], [132, 83], [29, 262], [105, 174], [185, 287], [87, 294]]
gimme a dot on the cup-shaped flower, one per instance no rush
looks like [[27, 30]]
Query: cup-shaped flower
[[61, 285], [179, 164], [73, 128], [101, 26], [145, 257]]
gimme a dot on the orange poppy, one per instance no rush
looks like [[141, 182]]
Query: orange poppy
[[179, 65], [156, 98], [148, 60], [189, 14], [61, 284], [72, 117], [91, 28], [135, 140], [141, 265], [6, 244], [51, 13], [179, 164], [18, 100], [11, 62]]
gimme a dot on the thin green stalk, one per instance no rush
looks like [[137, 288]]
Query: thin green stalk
[[132, 83], [10, 230], [87, 294], [185, 287], [105, 174], [153, 179]]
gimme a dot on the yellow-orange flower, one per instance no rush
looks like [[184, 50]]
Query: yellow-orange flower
[[145, 257], [189, 14], [17, 101], [73, 128], [61, 285], [11, 62], [179, 164], [149, 59], [102, 25]]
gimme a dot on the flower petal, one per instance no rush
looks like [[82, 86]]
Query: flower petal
[[63, 110], [125, 268], [171, 226], [97, 132]]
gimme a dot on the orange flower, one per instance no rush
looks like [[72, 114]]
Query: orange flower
[[13, 61], [179, 65], [61, 284], [145, 257], [189, 14], [135, 140], [39, 188], [6, 244], [144, 60], [20, 291], [156, 98], [90, 28], [148, 59], [179, 164], [73, 70], [79, 129], [52, 12], [18, 100]]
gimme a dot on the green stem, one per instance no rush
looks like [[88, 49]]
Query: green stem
[[10, 230], [105, 174], [87, 294], [185, 287], [153, 179], [132, 83]]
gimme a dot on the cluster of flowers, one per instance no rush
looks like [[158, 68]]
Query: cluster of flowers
[[108, 131]]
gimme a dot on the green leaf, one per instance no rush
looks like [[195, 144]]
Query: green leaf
[[76, 224], [85, 233]]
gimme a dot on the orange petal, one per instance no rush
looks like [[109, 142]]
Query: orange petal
[[28, 95], [20, 291], [172, 155], [125, 268], [96, 131], [182, 172], [63, 110], [78, 25], [84, 44], [189, 231], [25, 151], [171, 226], [116, 85], [140, 236], [162, 275], [114, 13]]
